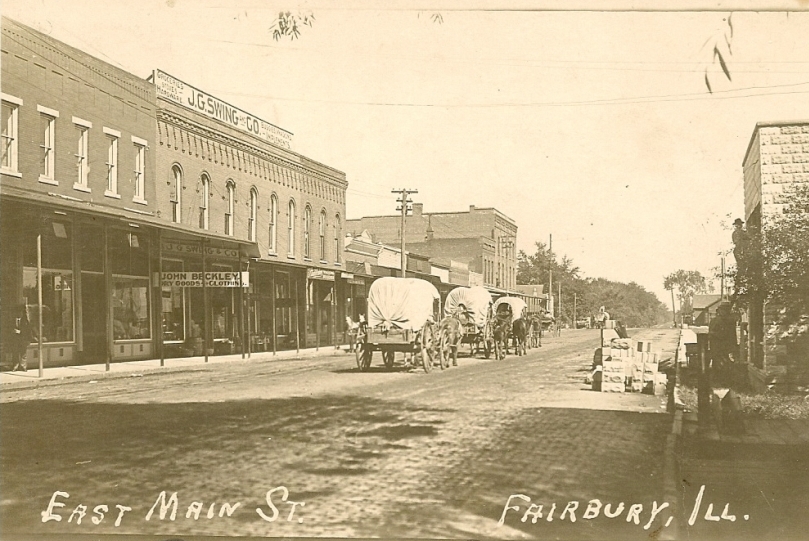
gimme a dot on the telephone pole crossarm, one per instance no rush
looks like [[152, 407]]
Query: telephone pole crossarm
[[404, 207]]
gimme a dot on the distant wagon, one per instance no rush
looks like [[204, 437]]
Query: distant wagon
[[402, 314], [473, 307]]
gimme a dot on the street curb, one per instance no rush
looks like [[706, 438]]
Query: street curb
[[132, 369], [671, 475]]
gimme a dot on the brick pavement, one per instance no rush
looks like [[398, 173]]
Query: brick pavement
[[408, 454]]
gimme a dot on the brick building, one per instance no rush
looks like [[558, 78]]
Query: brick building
[[115, 193], [77, 180], [221, 171], [776, 162], [483, 238]]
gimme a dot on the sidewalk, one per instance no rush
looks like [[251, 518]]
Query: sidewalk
[[31, 377]]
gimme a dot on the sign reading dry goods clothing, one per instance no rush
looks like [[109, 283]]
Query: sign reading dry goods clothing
[[173, 89], [212, 279]]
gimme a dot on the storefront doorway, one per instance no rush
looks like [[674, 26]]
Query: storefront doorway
[[93, 317]]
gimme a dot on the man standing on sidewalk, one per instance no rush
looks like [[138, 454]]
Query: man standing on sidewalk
[[22, 337], [722, 343]]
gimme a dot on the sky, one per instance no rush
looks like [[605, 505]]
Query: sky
[[595, 127]]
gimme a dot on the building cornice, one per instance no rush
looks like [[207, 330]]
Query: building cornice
[[277, 156]]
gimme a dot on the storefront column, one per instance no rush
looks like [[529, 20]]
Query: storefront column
[[158, 306], [240, 315], [298, 315], [106, 296], [205, 304], [39, 302], [274, 314]]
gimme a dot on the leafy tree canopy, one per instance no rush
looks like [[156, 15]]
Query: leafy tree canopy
[[630, 303]]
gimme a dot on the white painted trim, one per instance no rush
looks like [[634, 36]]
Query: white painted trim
[[81, 187], [48, 111], [10, 173], [45, 180], [10, 99], [114, 195], [110, 131], [139, 201], [81, 122], [139, 141]]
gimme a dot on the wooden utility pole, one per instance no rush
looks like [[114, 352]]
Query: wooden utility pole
[[575, 319], [550, 273], [403, 203]]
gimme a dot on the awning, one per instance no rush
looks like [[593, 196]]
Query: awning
[[54, 201]]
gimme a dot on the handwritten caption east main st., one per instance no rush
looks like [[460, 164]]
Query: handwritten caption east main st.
[[276, 506]]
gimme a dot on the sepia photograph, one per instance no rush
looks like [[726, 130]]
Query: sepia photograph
[[398, 269]]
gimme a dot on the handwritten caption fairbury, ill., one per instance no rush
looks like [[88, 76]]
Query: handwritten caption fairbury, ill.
[[165, 508], [522, 506]]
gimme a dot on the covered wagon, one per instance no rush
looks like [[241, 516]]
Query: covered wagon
[[402, 313], [472, 306]]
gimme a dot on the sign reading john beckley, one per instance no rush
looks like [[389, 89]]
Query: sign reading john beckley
[[173, 89]]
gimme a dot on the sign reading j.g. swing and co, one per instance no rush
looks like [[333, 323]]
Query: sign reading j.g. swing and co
[[212, 279], [173, 89]]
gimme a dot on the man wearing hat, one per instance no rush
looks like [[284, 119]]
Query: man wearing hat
[[739, 243]]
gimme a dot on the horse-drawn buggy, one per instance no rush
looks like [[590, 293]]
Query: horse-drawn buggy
[[467, 320], [401, 318], [509, 323]]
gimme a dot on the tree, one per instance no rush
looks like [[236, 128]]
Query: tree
[[630, 303], [776, 263], [688, 283]]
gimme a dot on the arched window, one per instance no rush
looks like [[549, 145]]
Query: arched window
[[273, 222], [231, 197], [204, 201], [251, 222], [307, 228], [176, 194], [291, 228], [322, 231], [337, 239]]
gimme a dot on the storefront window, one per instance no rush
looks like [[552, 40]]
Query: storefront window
[[130, 306], [57, 279], [57, 303], [129, 259]]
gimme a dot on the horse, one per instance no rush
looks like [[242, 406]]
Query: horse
[[520, 332], [450, 331], [502, 328]]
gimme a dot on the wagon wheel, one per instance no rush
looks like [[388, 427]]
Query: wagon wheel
[[388, 358], [427, 344], [487, 340], [364, 355], [443, 351], [358, 353]]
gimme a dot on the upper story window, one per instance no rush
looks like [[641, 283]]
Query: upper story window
[[47, 130], [251, 221], [112, 162], [176, 194], [337, 239], [205, 186], [140, 170], [307, 227], [322, 231], [273, 224], [10, 133], [82, 165], [231, 201], [291, 229]]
